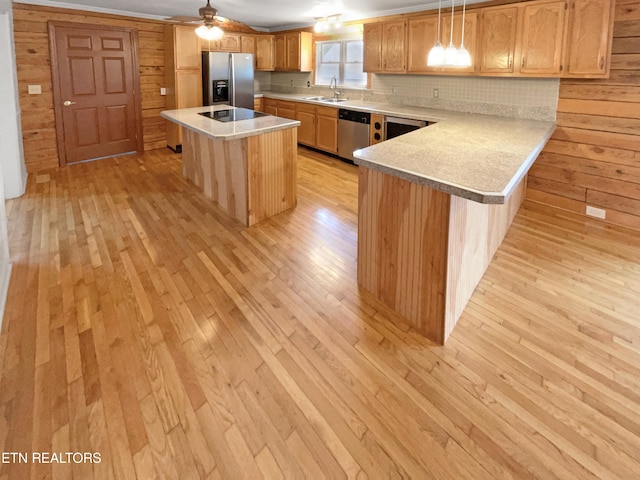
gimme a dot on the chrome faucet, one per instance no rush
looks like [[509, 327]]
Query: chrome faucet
[[333, 85]]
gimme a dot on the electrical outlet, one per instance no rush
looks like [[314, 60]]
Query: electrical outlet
[[436, 93], [596, 212], [163, 91], [394, 89], [292, 83], [308, 83], [35, 89]]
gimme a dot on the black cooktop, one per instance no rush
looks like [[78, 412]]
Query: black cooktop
[[233, 114]]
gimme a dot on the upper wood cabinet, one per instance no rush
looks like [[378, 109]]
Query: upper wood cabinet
[[230, 43], [589, 33], [293, 52], [422, 33], [498, 39], [394, 43], [385, 47], [372, 39], [184, 47], [265, 52], [541, 37], [470, 37]]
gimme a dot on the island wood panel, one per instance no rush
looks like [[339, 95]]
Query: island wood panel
[[402, 248], [250, 178], [422, 252], [272, 173], [476, 230], [219, 168], [34, 68], [593, 157]]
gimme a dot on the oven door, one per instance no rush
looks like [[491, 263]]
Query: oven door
[[395, 126]]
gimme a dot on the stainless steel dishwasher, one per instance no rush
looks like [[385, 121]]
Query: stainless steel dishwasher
[[353, 132]]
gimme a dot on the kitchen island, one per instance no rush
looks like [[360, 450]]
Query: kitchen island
[[247, 167], [434, 206]]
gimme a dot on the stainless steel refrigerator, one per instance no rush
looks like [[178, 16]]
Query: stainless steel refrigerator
[[227, 79]]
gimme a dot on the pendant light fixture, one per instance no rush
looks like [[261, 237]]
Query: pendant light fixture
[[451, 53], [464, 58], [436, 54]]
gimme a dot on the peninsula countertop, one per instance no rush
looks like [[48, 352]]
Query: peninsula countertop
[[478, 157], [190, 118]]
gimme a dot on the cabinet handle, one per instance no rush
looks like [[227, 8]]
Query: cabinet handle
[[523, 62], [601, 62], [511, 63]]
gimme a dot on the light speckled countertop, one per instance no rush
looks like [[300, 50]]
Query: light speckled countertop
[[479, 157], [189, 118]]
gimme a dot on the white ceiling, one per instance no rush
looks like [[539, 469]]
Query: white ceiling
[[270, 15]]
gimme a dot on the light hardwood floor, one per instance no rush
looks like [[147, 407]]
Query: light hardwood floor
[[146, 325]]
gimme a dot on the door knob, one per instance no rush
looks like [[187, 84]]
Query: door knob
[[67, 103]]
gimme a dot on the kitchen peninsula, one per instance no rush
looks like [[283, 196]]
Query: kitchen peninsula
[[246, 166], [434, 206]]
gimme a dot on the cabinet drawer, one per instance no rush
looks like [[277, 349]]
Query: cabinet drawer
[[327, 111], [306, 107], [286, 104]]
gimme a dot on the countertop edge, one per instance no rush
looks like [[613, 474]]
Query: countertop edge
[[233, 136]]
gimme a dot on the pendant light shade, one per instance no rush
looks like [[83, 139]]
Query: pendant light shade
[[464, 58], [451, 56], [436, 54], [207, 32]]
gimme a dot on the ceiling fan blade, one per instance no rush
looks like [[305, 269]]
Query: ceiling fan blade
[[184, 18]]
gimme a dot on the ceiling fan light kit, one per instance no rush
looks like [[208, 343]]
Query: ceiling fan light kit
[[451, 56], [209, 31], [328, 23]]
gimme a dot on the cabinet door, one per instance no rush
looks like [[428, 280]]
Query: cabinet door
[[307, 128], [372, 37], [270, 106], [541, 40], [306, 52], [257, 105], [187, 48], [281, 52], [230, 43], [187, 93], [292, 52], [498, 39], [589, 38], [264, 52], [423, 33], [248, 44], [327, 129], [470, 37], [394, 46]]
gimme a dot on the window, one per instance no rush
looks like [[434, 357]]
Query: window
[[341, 59]]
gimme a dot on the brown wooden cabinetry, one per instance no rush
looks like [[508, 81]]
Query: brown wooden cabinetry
[[327, 129], [230, 43], [498, 39], [306, 115], [293, 52], [422, 36], [385, 47], [183, 77], [540, 42], [587, 52], [270, 106], [287, 109], [265, 52], [470, 38]]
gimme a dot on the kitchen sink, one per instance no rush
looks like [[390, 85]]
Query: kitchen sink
[[333, 100], [318, 98]]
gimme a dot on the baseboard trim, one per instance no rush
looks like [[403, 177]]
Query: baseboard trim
[[5, 277]]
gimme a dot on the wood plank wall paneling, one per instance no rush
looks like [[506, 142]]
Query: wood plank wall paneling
[[395, 235], [593, 157], [34, 67]]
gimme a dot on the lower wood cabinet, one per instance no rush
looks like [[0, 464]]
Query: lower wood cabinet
[[327, 129], [306, 115]]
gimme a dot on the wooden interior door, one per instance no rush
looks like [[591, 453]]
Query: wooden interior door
[[95, 91]]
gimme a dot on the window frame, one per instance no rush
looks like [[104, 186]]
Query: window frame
[[341, 64]]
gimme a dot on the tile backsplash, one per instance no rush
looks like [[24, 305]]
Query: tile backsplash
[[533, 98]]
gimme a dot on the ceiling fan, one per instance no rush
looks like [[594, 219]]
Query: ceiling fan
[[211, 21]]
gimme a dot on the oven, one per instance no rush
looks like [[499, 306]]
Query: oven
[[396, 126]]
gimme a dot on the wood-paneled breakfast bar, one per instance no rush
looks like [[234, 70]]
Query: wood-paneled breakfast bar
[[434, 206], [248, 167]]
